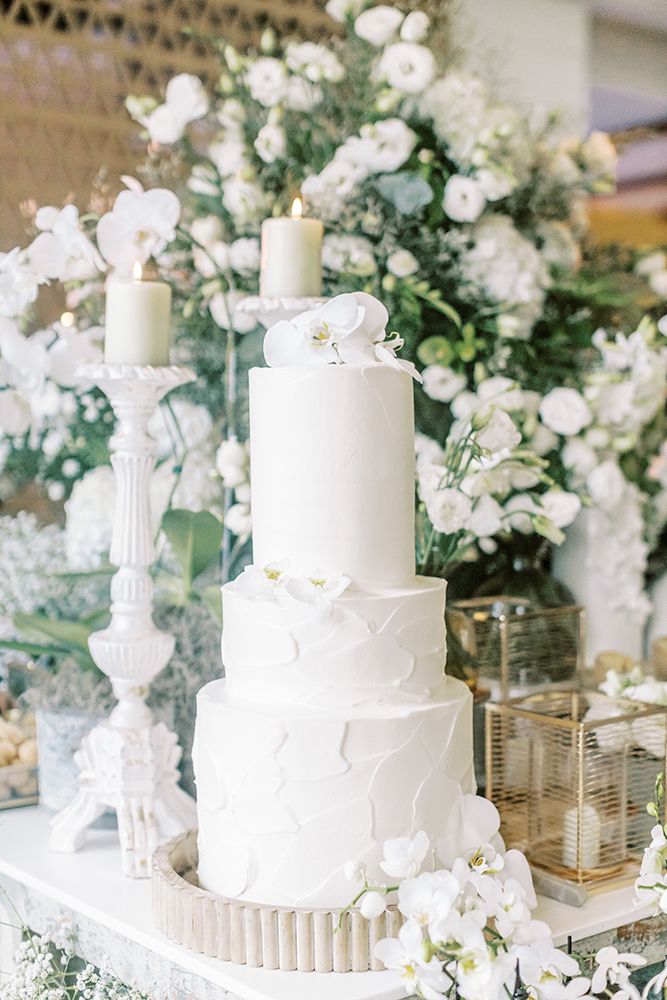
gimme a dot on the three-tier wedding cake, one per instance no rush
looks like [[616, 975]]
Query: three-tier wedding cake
[[336, 727]]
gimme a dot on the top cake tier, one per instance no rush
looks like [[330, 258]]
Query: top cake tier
[[332, 471]]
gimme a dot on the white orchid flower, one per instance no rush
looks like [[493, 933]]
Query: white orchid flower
[[403, 856], [318, 592], [23, 360], [18, 283], [15, 413], [64, 252], [185, 101], [373, 904], [140, 225], [428, 898], [657, 984], [354, 870], [309, 338], [404, 952], [262, 583], [612, 969], [574, 990], [72, 349]]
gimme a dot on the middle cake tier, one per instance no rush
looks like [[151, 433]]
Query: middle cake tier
[[385, 646]]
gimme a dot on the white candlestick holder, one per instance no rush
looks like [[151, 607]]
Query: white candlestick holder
[[268, 311], [126, 762]]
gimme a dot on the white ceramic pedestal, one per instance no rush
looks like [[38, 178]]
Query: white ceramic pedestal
[[128, 763]]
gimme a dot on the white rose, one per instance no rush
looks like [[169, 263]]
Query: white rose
[[464, 199], [402, 263], [244, 255], [186, 95], [230, 155], [407, 67], [565, 411], [316, 62], [464, 404], [486, 516], [561, 507], [206, 229], [543, 440], [518, 508], [579, 456], [220, 306], [503, 392], [442, 383], [339, 9], [606, 485], [496, 183], [382, 147], [378, 24], [271, 143], [266, 79], [449, 510], [500, 432], [415, 26], [658, 282]]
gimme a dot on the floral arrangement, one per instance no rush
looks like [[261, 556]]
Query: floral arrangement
[[464, 217], [468, 929]]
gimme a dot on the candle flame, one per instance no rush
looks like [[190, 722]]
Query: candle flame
[[297, 208], [137, 271], [67, 319]]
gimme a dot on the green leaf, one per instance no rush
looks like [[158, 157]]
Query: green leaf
[[173, 588], [99, 618], [32, 649], [195, 538], [435, 351], [64, 632], [212, 600]]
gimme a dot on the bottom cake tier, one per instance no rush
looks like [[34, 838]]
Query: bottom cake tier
[[287, 795]]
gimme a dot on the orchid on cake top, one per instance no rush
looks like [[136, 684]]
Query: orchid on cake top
[[335, 728]]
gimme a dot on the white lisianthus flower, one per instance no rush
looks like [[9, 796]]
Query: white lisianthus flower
[[442, 383], [561, 507], [140, 225], [517, 513], [378, 24], [230, 155], [266, 79], [206, 229], [245, 200], [339, 9], [403, 856], [382, 147], [448, 509], [495, 183], [232, 462], [402, 263], [203, 180], [499, 433], [348, 255], [244, 254], [300, 95], [502, 392], [239, 520], [271, 143], [415, 26], [315, 62], [231, 114], [578, 456], [407, 67], [486, 517], [565, 411], [543, 440], [185, 101], [463, 404], [329, 189], [318, 592]]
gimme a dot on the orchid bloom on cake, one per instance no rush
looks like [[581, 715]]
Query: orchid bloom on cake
[[256, 582], [318, 592], [349, 329]]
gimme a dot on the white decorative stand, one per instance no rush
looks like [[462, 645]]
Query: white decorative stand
[[126, 762], [268, 311]]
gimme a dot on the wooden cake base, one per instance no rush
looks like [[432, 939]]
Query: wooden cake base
[[257, 935]]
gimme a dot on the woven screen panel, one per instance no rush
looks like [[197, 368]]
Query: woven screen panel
[[66, 67]]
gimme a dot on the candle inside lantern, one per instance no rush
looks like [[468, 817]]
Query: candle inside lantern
[[590, 838], [291, 256], [138, 316]]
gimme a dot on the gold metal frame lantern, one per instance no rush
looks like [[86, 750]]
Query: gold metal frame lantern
[[570, 773]]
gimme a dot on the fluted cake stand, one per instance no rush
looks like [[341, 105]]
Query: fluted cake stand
[[126, 762]]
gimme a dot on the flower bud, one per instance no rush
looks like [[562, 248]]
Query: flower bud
[[225, 83], [232, 59], [267, 42]]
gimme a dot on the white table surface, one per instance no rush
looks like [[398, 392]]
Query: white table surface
[[91, 883]]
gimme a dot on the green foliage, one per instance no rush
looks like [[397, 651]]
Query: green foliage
[[56, 638], [196, 539]]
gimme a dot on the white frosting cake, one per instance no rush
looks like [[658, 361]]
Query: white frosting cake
[[335, 728]]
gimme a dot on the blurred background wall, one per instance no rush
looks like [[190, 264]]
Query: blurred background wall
[[67, 65]]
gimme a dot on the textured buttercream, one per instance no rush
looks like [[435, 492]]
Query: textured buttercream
[[287, 795]]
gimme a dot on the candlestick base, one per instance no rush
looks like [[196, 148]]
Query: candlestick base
[[268, 311], [127, 762]]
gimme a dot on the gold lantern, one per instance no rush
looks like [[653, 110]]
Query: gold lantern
[[570, 773]]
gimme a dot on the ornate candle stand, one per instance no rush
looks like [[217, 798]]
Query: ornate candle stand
[[268, 311], [126, 762]]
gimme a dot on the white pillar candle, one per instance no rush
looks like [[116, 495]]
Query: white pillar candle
[[590, 840], [291, 256], [137, 322]]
